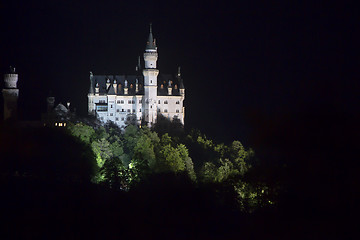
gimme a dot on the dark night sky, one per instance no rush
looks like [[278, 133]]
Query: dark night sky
[[242, 64]]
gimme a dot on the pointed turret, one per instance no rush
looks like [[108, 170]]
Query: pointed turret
[[91, 90], [181, 82], [150, 45]]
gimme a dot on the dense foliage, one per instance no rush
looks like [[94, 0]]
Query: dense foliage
[[126, 159]]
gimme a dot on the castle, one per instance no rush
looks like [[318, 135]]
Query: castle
[[123, 99], [139, 98]]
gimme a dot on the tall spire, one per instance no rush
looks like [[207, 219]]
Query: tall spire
[[139, 63], [151, 42]]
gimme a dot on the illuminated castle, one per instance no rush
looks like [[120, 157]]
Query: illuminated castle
[[132, 99]]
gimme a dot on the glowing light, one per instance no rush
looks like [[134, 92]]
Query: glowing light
[[55, 124]]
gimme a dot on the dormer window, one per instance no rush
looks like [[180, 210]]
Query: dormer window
[[131, 85], [175, 86], [162, 86]]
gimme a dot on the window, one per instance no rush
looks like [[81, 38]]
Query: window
[[140, 110], [165, 110], [117, 119], [177, 102], [140, 101], [56, 124], [118, 102], [165, 102], [117, 110], [129, 101], [159, 110], [102, 118], [133, 101], [122, 119], [64, 124], [177, 110], [131, 85], [175, 86], [111, 114], [122, 101], [110, 106], [123, 110], [133, 110], [101, 108], [101, 101], [159, 101], [128, 110]]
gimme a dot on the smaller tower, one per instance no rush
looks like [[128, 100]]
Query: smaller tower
[[107, 84], [50, 100], [181, 87], [91, 95], [169, 88], [10, 95], [97, 89], [115, 85], [126, 88], [137, 85]]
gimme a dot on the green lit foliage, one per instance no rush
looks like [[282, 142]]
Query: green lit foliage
[[252, 196], [127, 158], [102, 151], [84, 132]]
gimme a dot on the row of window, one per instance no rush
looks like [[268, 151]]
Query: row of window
[[129, 111], [165, 110], [117, 119], [60, 124], [133, 102]]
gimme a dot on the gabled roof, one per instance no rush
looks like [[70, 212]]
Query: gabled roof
[[111, 90]]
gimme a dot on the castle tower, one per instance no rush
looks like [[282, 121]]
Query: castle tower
[[91, 95], [150, 80], [50, 102], [10, 94]]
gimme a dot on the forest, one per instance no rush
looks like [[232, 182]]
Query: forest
[[92, 180]]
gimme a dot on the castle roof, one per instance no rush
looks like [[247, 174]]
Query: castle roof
[[162, 90]]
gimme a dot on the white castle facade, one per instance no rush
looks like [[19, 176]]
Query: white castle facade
[[139, 98]]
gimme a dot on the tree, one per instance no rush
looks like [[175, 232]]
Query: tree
[[102, 151], [84, 132]]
